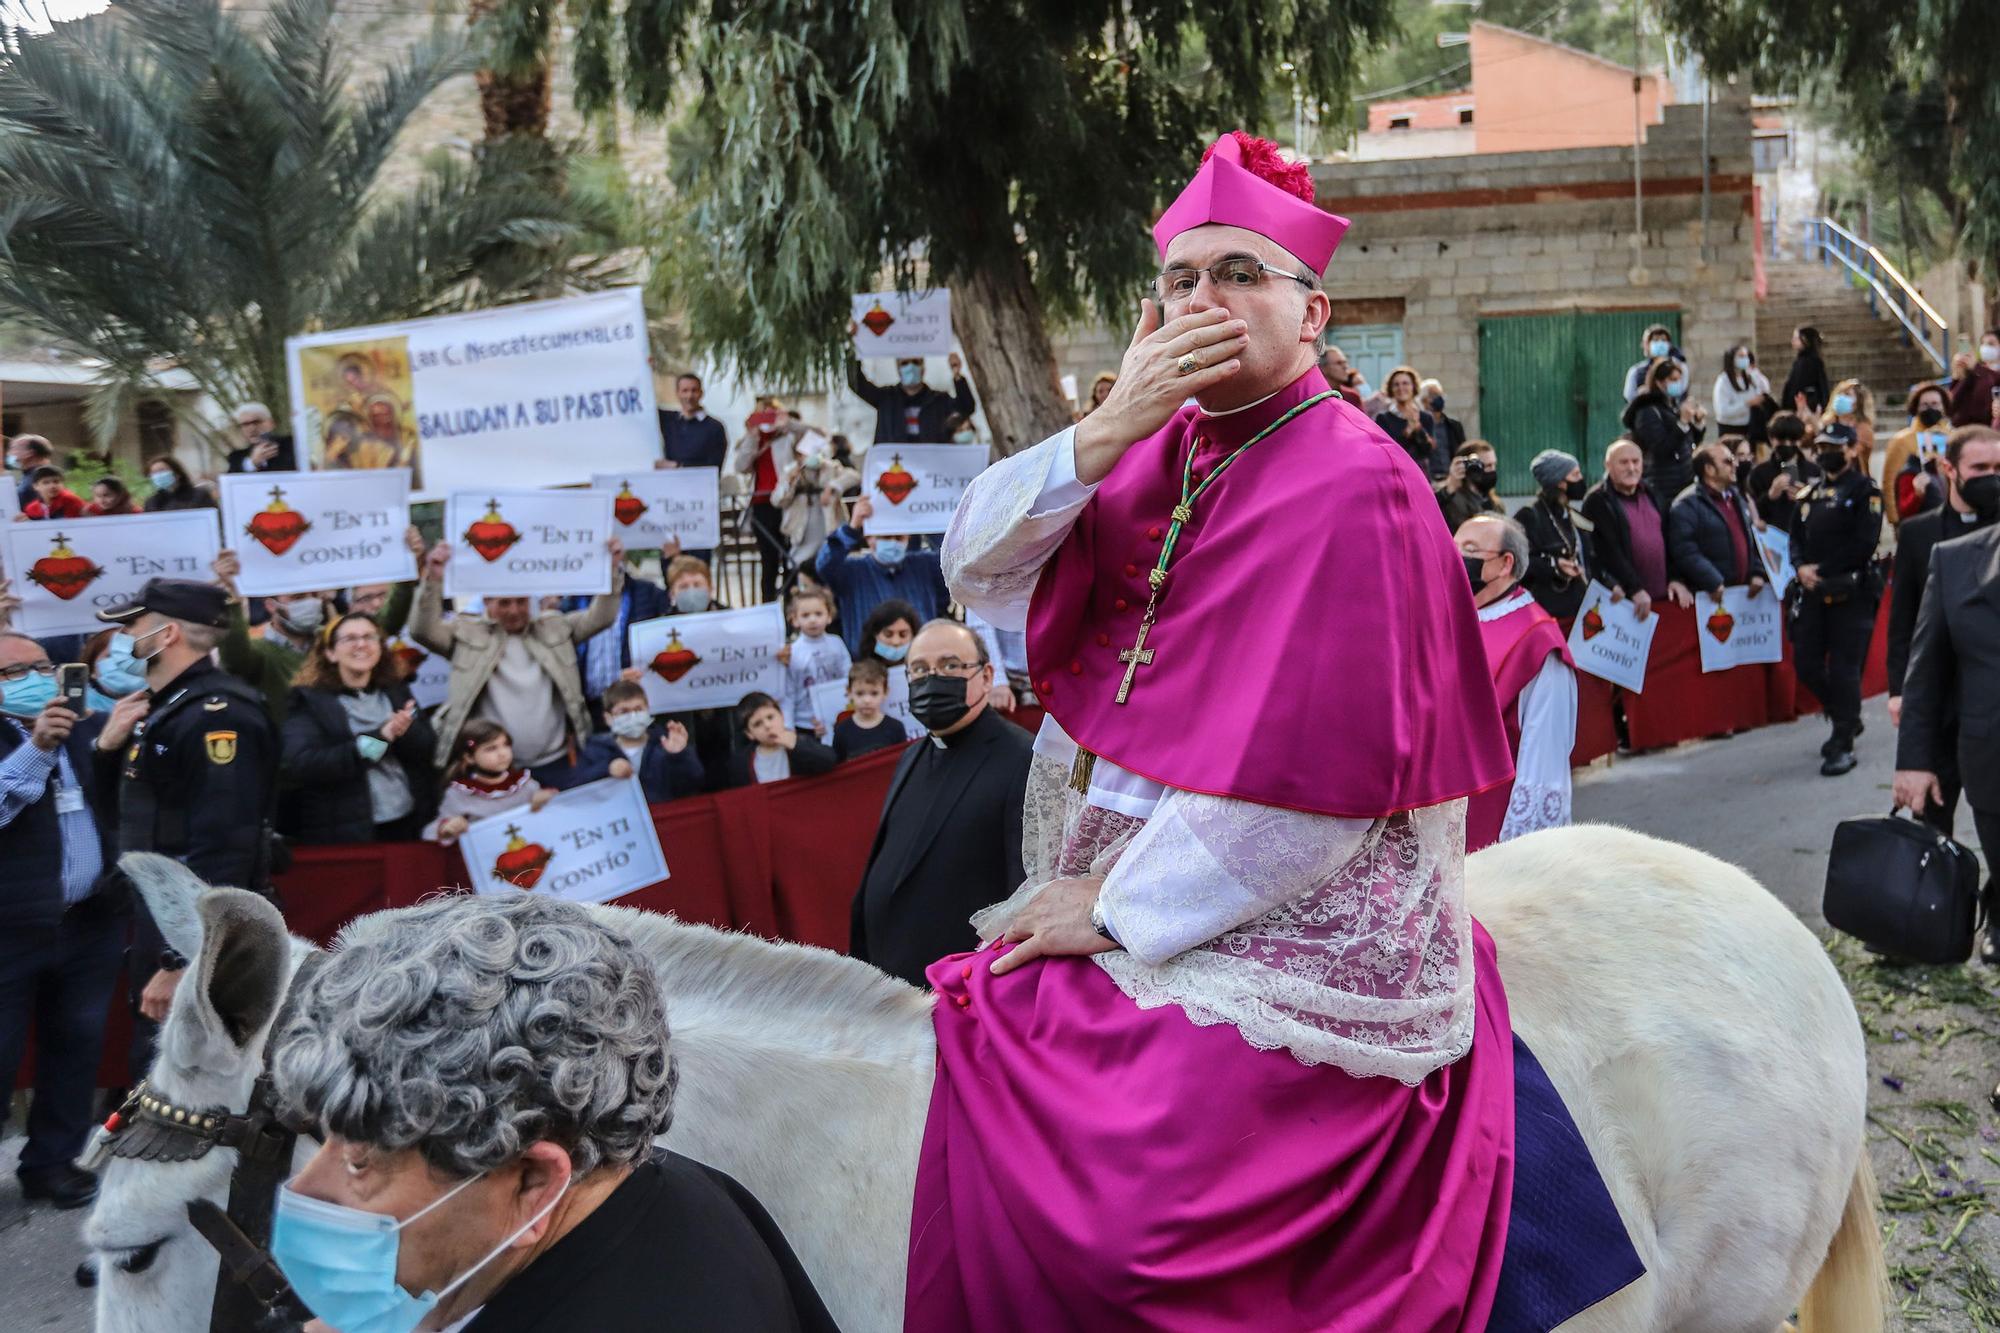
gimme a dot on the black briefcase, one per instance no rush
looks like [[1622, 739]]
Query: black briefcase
[[1904, 889]]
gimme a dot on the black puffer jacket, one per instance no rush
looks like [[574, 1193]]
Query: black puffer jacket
[[1654, 422]]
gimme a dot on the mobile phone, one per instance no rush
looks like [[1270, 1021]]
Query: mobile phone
[[72, 684]]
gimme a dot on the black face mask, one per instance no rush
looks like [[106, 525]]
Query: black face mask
[[938, 701], [1832, 460], [1575, 488], [1982, 496], [1483, 482], [1785, 451], [1929, 416], [1473, 564]]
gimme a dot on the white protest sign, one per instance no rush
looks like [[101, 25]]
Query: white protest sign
[[65, 571], [917, 487], [1069, 387], [710, 660], [898, 324], [1610, 641], [10, 497], [680, 504], [1776, 548], [589, 845], [528, 543], [538, 394], [303, 531], [1740, 629], [427, 674], [829, 701]]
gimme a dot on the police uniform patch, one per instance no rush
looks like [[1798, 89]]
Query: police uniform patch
[[214, 705], [1875, 504], [132, 755], [221, 746]]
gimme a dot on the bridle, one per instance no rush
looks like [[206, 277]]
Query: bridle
[[251, 1294]]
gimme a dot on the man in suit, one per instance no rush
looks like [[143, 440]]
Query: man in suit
[[265, 448], [1954, 668], [949, 843], [1972, 452], [62, 938]]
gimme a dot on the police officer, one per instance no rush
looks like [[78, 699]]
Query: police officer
[[192, 762], [1833, 537]]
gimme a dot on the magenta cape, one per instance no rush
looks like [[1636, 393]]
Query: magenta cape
[[1093, 1167], [1316, 645], [1516, 646]]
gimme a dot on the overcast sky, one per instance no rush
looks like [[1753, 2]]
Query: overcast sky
[[39, 14]]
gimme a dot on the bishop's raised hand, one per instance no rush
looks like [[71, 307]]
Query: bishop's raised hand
[[1167, 364]]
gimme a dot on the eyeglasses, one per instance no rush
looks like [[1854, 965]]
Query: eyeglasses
[[340, 640], [1178, 284], [22, 672], [948, 667]]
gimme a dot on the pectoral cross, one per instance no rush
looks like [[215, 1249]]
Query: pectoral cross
[[1136, 656]]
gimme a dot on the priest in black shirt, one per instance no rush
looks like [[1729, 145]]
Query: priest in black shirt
[[491, 1073], [949, 843]]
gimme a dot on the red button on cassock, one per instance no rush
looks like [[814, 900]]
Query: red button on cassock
[[1076, 668], [1120, 604], [1104, 641], [1131, 571], [1044, 685], [964, 1001], [1153, 533]]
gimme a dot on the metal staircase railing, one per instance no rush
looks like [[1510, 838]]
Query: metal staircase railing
[[1922, 325]]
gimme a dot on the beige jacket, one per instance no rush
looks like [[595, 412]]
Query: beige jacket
[[473, 643]]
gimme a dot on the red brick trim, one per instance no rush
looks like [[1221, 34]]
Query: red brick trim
[[1575, 192]]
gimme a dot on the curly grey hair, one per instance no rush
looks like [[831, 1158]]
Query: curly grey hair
[[470, 1027]]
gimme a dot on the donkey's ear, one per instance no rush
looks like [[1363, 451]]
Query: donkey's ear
[[243, 966], [171, 891]]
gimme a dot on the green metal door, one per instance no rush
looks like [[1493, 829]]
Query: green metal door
[[1557, 381], [1607, 343], [1527, 365]]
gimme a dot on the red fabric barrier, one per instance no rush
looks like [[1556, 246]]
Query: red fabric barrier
[[1679, 702]]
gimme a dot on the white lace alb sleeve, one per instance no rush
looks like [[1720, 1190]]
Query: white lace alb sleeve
[[1010, 521], [1204, 865], [1541, 796]]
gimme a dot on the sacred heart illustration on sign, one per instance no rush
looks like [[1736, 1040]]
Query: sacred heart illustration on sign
[[491, 535], [877, 320], [896, 481], [675, 660], [1721, 623], [626, 507], [1593, 624], [62, 572], [278, 526], [523, 862]]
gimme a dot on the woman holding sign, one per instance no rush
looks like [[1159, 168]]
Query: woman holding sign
[[355, 742]]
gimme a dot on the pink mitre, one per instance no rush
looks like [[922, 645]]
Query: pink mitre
[[1244, 182]]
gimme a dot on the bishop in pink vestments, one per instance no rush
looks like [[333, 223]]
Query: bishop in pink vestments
[[1236, 1056]]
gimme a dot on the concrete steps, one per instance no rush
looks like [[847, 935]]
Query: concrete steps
[[1858, 343]]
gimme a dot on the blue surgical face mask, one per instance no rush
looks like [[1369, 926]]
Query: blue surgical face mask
[[629, 726], [29, 695], [118, 671], [342, 1261], [911, 374], [163, 480], [1743, 361], [690, 601], [891, 550], [1677, 389], [1659, 347], [965, 437], [1842, 404], [891, 652]]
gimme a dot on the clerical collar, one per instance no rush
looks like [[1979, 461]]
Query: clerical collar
[[1507, 605], [958, 737], [1232, 411], [1238, 424]]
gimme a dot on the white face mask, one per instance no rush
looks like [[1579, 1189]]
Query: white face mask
[[1989, 353], [629, 726]]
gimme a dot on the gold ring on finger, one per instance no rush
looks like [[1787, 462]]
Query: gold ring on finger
[[1188, 364]]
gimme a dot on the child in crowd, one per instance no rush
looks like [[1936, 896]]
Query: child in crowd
[[866, 727], [667, 765], [483, 782], [52, 498], [814, 657], [777, 751]]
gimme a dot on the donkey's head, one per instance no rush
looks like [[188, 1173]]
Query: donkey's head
[[155, 1272]]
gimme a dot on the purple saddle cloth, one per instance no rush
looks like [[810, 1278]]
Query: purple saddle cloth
[[1566, 1245]]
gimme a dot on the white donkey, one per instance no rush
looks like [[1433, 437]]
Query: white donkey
[[1696, 1030]]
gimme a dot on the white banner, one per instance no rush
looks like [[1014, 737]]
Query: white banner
[[829, 701], [538, 394], [1776, 548], [590, 844], [66, 571], [895, 324], [710, 660], [426, 673], [527, 543], [651, 508], [1740, 630], [1610, 641], [10, 496], [304, 531], [916, 487]]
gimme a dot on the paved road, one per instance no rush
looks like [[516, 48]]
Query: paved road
[[1755, 799]]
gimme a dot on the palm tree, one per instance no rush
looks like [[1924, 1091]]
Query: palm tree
[[178, 191]]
